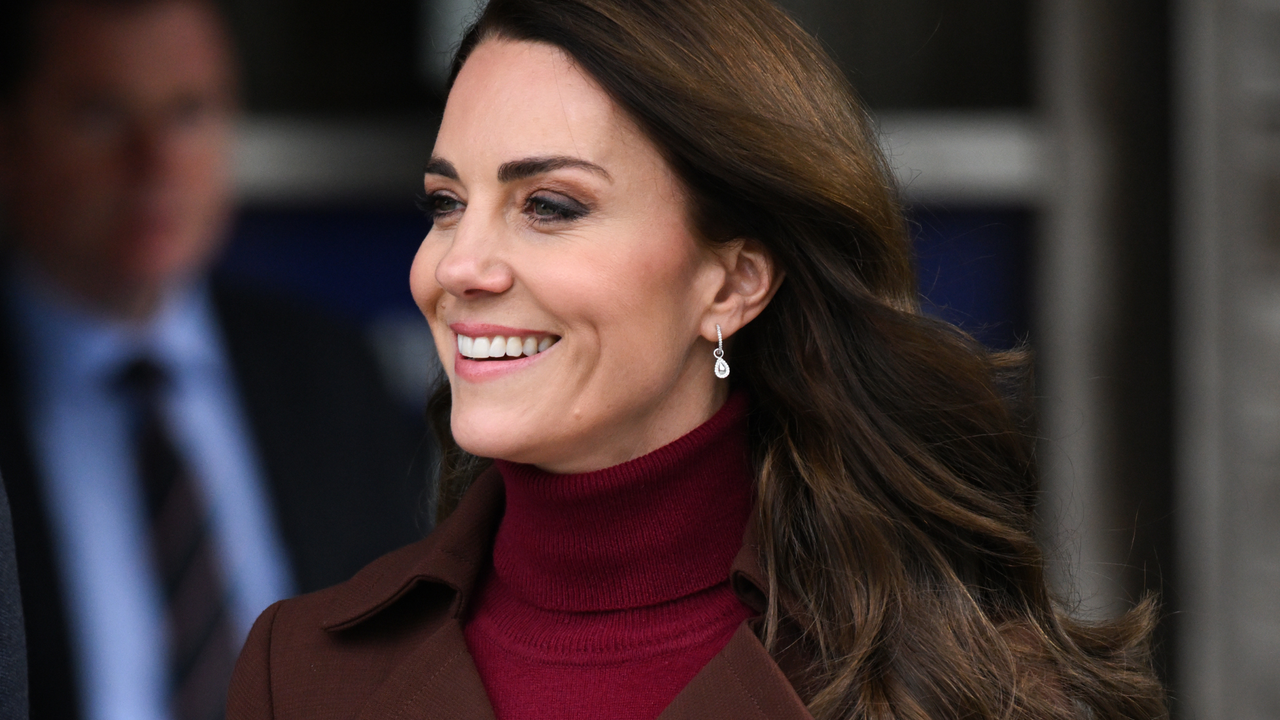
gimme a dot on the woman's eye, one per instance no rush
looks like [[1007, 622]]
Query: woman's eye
[[545, 209], [542, 208], [440, 205]]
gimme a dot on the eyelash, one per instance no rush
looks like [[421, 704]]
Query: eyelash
[[429, 204], [560, 211]]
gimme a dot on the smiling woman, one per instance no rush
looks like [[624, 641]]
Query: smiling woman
[[624, 194]]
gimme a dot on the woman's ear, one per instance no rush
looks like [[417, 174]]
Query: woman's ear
[[751, 277]]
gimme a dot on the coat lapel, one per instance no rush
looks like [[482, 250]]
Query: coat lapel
[[438, 681], [742, 682]]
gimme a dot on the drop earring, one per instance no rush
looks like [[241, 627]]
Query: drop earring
[[722, 367]]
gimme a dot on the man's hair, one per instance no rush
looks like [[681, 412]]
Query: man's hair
[[20, 38], [17, 46]]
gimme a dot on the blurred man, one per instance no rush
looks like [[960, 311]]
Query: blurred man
[[178, 455]]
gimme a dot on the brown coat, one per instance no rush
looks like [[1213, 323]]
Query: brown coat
[[388, 643]]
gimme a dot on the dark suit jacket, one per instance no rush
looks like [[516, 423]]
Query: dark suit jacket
[[336, 450], [13, 647], [388, 644]]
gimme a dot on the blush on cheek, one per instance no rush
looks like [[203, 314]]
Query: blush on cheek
[[422, 283]]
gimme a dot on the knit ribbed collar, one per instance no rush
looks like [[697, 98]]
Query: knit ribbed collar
[[651, 530]]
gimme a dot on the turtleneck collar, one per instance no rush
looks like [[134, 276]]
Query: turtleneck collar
[[651, 530]]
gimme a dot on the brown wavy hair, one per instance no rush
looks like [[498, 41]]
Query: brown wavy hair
[[894, 455]]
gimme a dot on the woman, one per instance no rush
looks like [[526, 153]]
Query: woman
[[670, 284]]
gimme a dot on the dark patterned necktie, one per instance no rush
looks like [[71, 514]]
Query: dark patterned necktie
[[201, 649]]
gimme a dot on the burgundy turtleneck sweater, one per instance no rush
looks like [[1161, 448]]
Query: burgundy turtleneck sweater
[[610, 589]]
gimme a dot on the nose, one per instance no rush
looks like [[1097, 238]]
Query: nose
[[471, 267], [151, 152]]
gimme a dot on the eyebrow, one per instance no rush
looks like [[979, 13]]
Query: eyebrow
[[442, 167], [529, 167], [520, 169]]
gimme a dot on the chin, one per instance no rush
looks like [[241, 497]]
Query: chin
[[164, 262], [489, 435]]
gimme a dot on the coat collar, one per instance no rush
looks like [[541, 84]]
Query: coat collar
[[440, 678], [456, 553], [453, 555]]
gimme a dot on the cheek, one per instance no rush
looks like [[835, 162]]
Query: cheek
[[427, 293], [57, 153], [660, 277], [428, 296], [205, 188], [204, 161], [422, 281], [51, 174], [72, 201], [648, 300]]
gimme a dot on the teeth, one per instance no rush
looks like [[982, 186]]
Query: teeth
[[501, 346], [498, 348]]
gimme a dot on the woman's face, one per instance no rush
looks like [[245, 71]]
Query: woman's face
[[559, 229]]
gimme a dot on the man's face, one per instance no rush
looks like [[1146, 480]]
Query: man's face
[[114, 161]]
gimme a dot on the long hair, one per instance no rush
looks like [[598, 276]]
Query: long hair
[[894, 455]]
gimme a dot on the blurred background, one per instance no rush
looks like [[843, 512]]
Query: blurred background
[[1100, 179]]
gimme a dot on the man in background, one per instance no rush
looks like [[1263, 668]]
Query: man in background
[[178, 454]]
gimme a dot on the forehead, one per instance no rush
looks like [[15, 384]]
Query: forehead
[[519, 99], [131, 47]]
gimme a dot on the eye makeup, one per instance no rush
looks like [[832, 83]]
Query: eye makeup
[[546, 207]]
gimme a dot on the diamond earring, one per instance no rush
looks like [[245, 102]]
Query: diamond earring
[[722, 367]]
